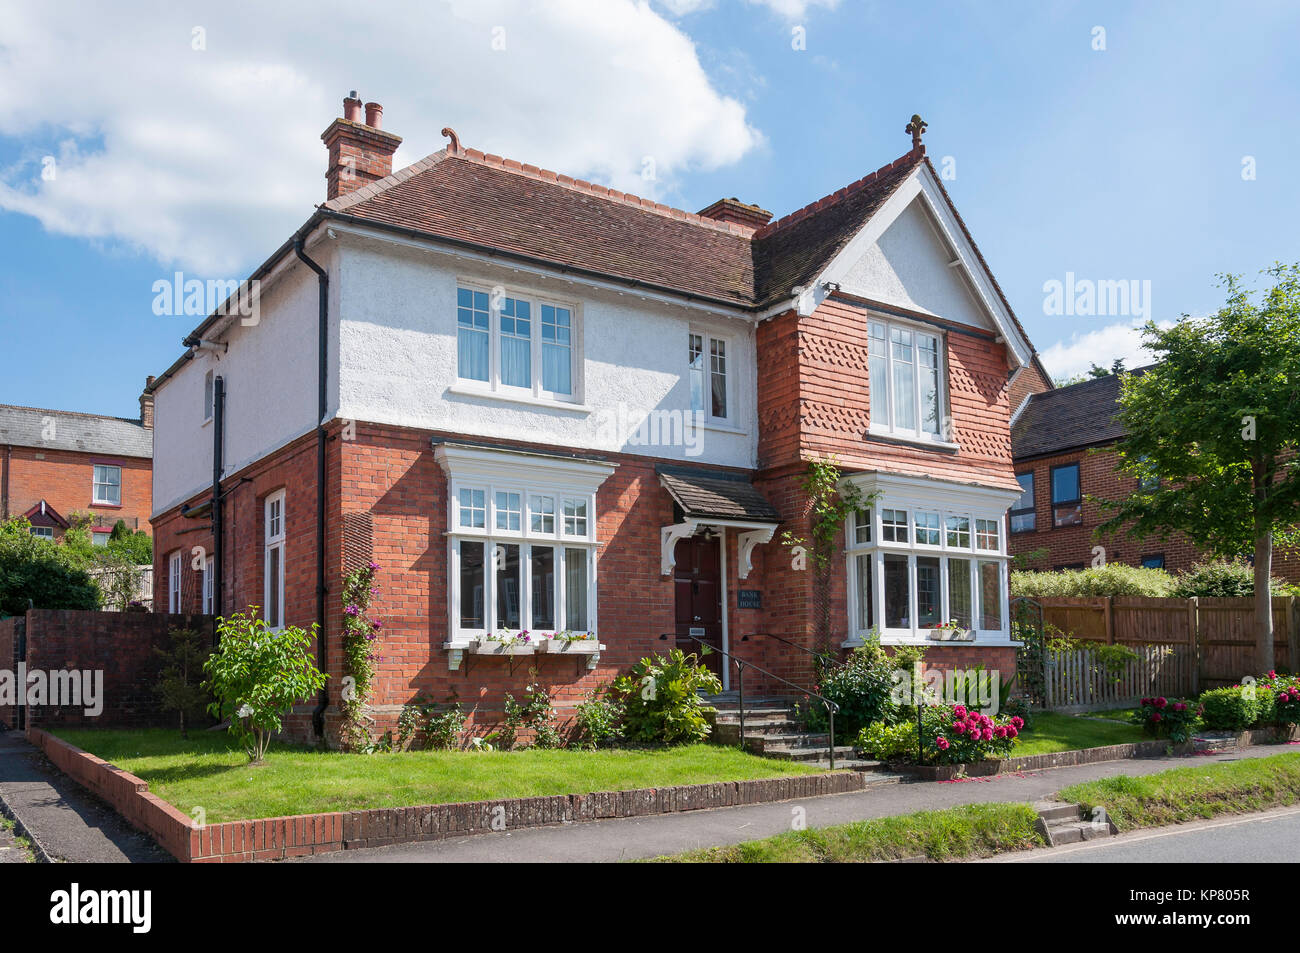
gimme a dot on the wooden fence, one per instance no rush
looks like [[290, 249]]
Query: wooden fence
[[1078, 680], [1212, 639]]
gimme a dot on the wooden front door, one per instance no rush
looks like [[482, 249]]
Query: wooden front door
[[697, 579]]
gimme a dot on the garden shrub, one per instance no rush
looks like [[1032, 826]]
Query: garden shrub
[[46, 573], [956, 734], [661, 699], [536, 714], [863, 687], [888, 742], [596, 720], [1223, 578], [180, 682], [1284, 693], [1113, 579], [1019, 707], [1230, 709], [257, 674], [1170, 718]]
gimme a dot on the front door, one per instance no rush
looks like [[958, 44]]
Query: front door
[[697, 579]]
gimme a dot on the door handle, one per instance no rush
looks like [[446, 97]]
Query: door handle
[[697, 618]]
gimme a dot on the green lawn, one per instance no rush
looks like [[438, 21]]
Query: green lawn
[[974, 830], [208, 771], [1053, 732], [1186, 794]]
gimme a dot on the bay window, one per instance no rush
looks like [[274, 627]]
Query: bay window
[[905, 368], [922, 563], [515, 344]]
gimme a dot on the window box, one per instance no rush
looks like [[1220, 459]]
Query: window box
[[949, 634], [569, 647], [498, 647]]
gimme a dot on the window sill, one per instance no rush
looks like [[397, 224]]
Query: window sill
[[462, 390], [726, 428], [875, 433]]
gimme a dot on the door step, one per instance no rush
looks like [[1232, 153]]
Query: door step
[[1065, 824]]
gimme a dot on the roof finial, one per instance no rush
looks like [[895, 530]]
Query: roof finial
[[916, 127], [453, 147]]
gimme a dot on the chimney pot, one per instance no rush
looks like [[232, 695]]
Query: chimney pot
[[352, 107], [374, 115], [146, 405], [359, 153]]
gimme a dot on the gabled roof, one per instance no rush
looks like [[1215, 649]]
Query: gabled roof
[[1069, 418], [42, 514], [79, 433]]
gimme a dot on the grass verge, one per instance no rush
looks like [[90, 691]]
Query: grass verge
[[973, 830], [1053, 732], [208, 771], [1188, 794]]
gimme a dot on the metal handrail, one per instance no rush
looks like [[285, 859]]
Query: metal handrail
[[831, 707], [823, 656]]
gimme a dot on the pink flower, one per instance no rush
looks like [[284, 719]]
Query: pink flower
[[988, 734], [958, 727], [1012, 731], [1018, 722], [1157, 717], [1000, 731], [1161, 702], [942, 743], [959, 711], [1179, 706]]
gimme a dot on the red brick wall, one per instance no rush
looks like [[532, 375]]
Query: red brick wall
[[9, 661], [1031, 380], [1050, 548], [65, 481]]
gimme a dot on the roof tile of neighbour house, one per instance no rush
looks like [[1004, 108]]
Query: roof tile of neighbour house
[[707, 494], [1067, 418], [78, 433]]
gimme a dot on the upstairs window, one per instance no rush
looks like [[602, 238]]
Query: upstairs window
[[107, 488], [1067, 499], [208, 396], [1022, 511], [707, 365], [515, 343], [905, 368]]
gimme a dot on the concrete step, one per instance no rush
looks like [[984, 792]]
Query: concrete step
[[1056, 811], [854, 764], [787, 753], [1065, 824]]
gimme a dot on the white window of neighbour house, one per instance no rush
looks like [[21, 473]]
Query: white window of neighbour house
[[516, 344], [107, 489], [905, 367], [273, 561]]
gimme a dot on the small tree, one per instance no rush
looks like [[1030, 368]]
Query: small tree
[[1213, 430], [180, 687], [257, 674]]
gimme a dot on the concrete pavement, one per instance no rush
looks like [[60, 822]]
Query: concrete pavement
[[61, 818], [631, 838]]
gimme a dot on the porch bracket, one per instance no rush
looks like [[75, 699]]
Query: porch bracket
[[668, 537], [454, 658], [746, 542]]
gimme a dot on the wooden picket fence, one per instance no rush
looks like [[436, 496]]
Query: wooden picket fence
[[1185, 645], [1078, 680]]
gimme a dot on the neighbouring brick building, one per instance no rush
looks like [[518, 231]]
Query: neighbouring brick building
[[1064, 443], [55, 463], [540, 404]]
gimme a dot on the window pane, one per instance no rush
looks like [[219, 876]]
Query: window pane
[[986, 534], [543, 587], [516, 343], [959, 594], [557, 350], [928, 609], [575, 517], [865, 591], [1065, 484], [927, 529], [542, 509], [901, 353], [893, 525], [1022, 512], [897, 592], [509, 511], [959, 532], [473, 508], [472, 334], [273, 609], [718, 377], [472, 585], [990, 595], [507, 586], [862, 526], [878, 379], [575, 590], [928, 359], [695, 365]]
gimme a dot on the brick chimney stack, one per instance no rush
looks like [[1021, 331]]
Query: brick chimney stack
[[737, 212], [146, 404], [360, 152]]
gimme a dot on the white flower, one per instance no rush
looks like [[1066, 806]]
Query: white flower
[[245, 711]]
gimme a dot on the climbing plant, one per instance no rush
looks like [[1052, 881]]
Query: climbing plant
[[360, 653]]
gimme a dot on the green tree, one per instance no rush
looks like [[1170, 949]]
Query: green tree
[[42, 572], [179, 687], [1213, 431]]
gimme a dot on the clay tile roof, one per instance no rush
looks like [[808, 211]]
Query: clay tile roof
[[1069, 418], [707, 494]]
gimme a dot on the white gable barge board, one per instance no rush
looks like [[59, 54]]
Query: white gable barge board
[[922, 186]]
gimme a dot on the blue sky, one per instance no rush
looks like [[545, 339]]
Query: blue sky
[[1117, 163]]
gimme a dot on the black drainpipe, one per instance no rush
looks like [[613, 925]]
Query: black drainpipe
[[322, 651], [218, 464]]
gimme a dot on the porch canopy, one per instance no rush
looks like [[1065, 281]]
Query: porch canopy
[[709, 498]]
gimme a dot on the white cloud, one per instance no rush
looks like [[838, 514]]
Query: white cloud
[[206, 159], [794, 9], [1101, 347]]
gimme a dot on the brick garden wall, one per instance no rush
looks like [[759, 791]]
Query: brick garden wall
[[9, 661]]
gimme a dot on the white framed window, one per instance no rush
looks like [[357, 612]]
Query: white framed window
[[516, 342], [174, 582], [107, 489], [273, 562], [916, 565], [208, 600], [208, 396], [45, 532], [905, 370], [98, 538], [709, 375], [575, 517]]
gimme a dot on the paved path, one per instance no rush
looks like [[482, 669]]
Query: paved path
[[61, 816], [630, 838], [12, 852], [1267, 837]]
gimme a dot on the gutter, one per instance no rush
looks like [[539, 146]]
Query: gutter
[[322, 340]]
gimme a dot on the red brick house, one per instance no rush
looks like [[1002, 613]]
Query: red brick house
[[540, 404], [55, 463], [1064, 443]]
